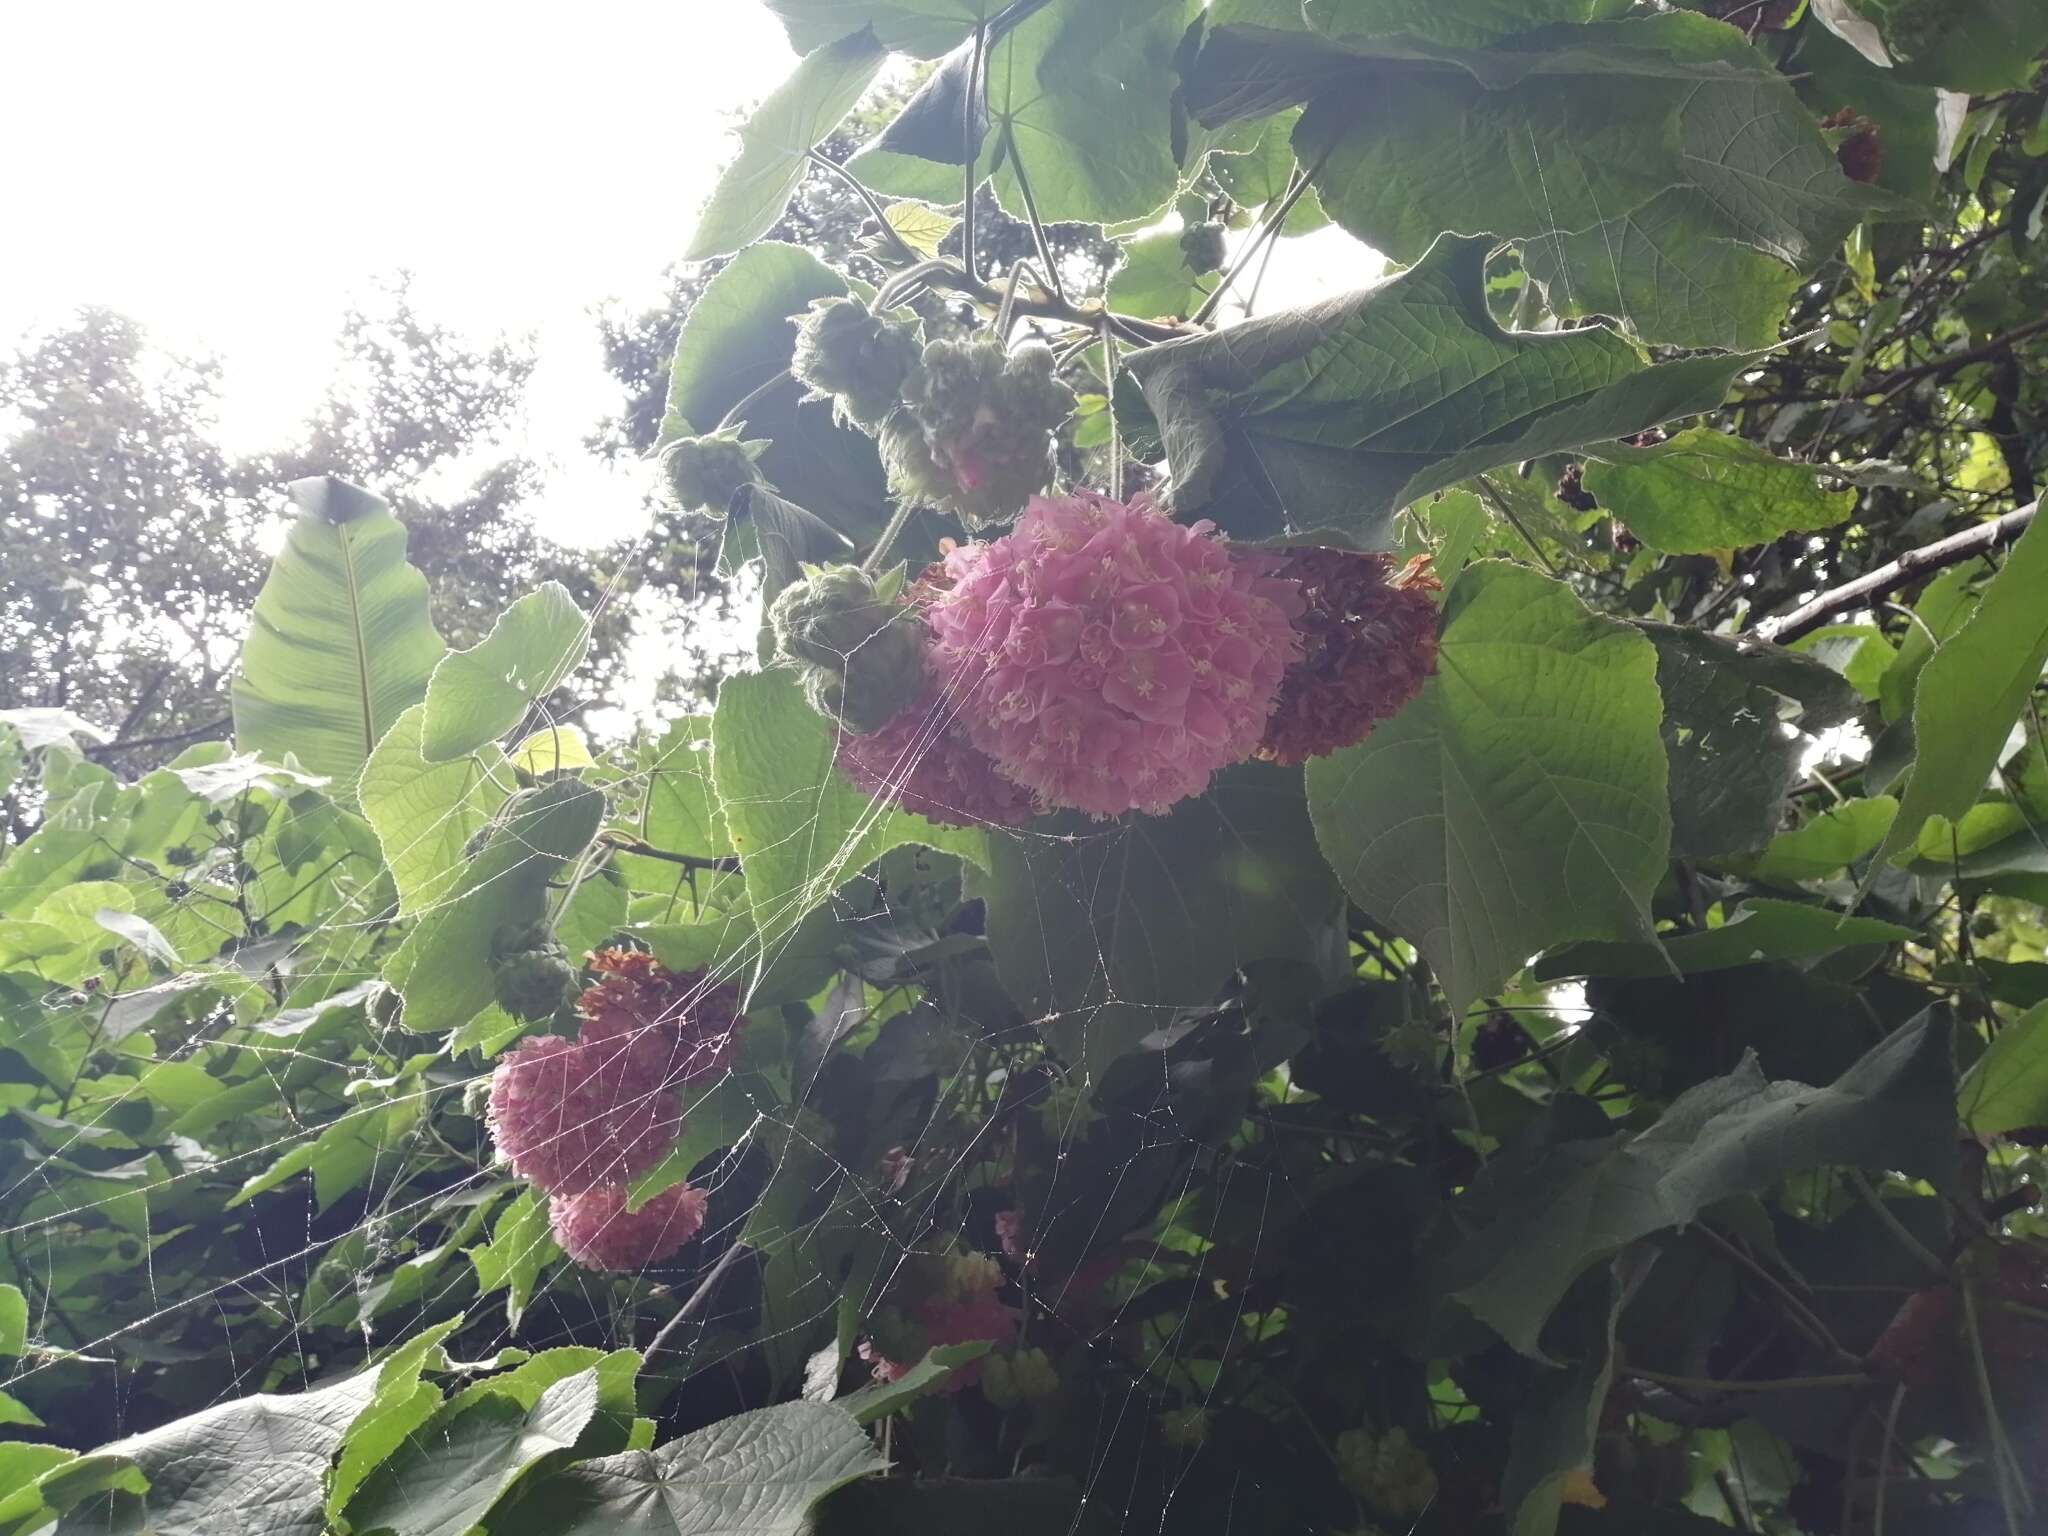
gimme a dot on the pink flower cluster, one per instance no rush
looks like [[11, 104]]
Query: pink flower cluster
[[580, 1119], [960, 1308], [598, 1232]]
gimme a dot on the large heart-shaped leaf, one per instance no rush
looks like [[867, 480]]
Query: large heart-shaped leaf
[[1521, 800], [1102, 933], [1336, 415], [757, 1474]]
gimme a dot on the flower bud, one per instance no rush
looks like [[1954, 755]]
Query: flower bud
[[855, 358], [705, 473], [859, 652], [530, 972], [974, 433]]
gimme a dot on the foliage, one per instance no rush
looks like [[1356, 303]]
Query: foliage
[[1604, 1095]]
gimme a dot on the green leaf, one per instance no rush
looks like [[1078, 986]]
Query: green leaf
[[1943, 607], [1520, 801], [1468, 23], [1556, 1430], [799, 828], [521, 1246], [1154, 279], [926, 28], [681, 814], [139, 932], [758, 1473], [449, 1474], [253, 1466], [62, 1482], [1081, 88], [426, 813], [1703, 490], [340, 644], [879, 1399], [1583, 1201], [444, 966], [476, 696], [2008, 1088], [34, 729], [1258, 177], [1739, 719], [737, 338], [1101, 933], [402, 1404], [1336, 415], [13, 1320], [1827, 844], [1667, 275], [1976, 46], [1760, 929], [756, 185], [345, 1153], [1859, 652], [1972, 690]]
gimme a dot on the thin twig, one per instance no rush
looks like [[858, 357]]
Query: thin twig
[[1953, 550], [970, 152], [1116, 441], [874, 203], [1801, 1314], [1269, 229], [1038, 237], [696, 1299], [724, 864], [1501, 506], [753, 397]]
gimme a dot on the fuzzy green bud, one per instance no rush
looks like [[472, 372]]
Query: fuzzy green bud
[[1201, 246], [705, 473], [974, 434], [855, 358], [1184, 1428], [530, 972], [859, 653]]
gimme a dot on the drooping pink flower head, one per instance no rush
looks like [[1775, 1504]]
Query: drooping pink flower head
[[598, 1232], [923, 761], [570, 1115], [1368, 645], [680, 1025], [1108, 658]]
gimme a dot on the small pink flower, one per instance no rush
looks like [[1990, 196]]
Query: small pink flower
[[598, 1232], [572, 1115], [1107, 658]]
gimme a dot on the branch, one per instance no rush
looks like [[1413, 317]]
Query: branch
[[727, 864], [175, 738], [1953, 550]]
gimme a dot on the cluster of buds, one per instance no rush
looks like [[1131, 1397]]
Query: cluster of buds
[[580, 1119], [974, 432], [1101, 657]]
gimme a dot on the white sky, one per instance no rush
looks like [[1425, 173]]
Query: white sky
[[230, 173]]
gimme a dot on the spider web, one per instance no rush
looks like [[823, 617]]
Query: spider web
[[425, 1185]]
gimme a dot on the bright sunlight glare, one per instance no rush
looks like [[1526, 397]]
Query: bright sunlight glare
[[232, 174]]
